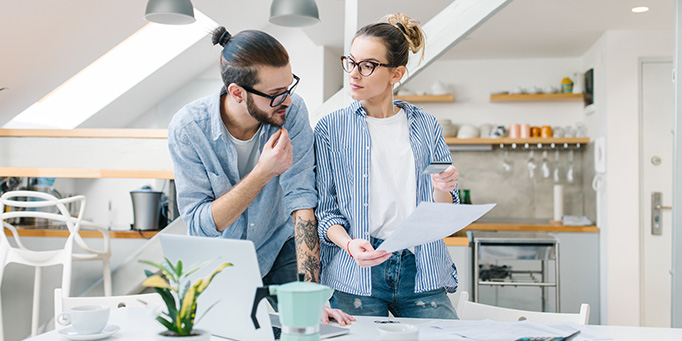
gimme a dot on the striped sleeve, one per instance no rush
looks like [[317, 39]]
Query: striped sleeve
[[328, 213]]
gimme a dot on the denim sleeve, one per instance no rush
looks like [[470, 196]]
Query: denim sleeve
[[193, 186], [298, 182], [442, 153], [328, 212]]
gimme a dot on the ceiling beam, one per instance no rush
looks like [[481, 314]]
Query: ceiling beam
[[449, 27]]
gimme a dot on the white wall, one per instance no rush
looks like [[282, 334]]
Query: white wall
[[615, 57], [596, 125], [333, 73], [307, 62]]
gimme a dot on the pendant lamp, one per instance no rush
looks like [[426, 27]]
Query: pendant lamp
[[172, 12], [294, 13]]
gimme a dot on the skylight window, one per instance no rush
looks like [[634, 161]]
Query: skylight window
[[114, 73]]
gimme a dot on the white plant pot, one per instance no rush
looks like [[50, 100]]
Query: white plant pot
[[199, 335]]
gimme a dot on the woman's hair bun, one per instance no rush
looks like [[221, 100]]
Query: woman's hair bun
[[410, 29], [221, 36]]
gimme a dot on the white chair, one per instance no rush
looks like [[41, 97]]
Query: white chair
[[468, 310], [63, 303], [45, 206]]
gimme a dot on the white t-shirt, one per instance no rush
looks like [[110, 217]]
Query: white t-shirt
[[247, 152], [393, 187]]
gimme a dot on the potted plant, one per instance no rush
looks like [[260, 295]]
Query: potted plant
[[180, 297]]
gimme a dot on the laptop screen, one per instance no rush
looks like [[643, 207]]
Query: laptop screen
[[231, 293]]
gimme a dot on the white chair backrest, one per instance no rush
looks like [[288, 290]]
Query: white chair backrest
[[62, 304], [33, 204], [477, 311]]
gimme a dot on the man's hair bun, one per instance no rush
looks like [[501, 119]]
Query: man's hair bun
[[221, 36]]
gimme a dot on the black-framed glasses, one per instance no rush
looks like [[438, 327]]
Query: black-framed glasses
[[276, 99], [365, 67]]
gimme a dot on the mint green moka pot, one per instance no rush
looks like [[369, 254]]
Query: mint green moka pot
[[300, 308]]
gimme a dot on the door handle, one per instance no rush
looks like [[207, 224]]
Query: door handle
[[656, 219]]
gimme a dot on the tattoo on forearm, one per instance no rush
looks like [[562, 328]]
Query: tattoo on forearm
[[307, 248], [308, 230], [311, 268]]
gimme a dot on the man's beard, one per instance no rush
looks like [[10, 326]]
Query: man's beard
[[264, 117]]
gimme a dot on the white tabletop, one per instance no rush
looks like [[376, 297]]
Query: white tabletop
[[139, 324]]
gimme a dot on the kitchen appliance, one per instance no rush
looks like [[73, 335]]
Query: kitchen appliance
[[147, 208], [300, 308]]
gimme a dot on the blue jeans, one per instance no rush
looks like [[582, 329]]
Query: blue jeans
[[393, 290]]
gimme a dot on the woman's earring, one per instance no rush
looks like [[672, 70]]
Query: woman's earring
[[392, 93], [239, 101]]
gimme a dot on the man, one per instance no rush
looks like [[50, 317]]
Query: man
[[244, 161]]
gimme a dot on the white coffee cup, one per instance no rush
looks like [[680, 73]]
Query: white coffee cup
[[86, 319], [398, 332]]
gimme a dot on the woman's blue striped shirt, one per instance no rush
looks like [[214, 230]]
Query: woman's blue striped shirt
[[342, 149]]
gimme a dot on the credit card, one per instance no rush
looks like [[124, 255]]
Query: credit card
[[436, 167]]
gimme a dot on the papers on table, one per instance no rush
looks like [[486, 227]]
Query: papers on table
[[432, 221], [488, 330]]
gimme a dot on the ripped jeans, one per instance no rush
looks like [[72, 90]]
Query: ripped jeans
[[393, 290]]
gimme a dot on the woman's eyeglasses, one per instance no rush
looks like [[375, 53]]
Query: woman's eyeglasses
[[276, 99], [365, 67]]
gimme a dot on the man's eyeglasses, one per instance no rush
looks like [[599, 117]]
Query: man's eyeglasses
[[365, 67], [276, 99]]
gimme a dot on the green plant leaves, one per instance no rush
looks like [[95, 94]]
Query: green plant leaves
[[179, 295]]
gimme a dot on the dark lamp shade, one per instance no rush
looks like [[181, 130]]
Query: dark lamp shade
[[172, 12], [294, 13]]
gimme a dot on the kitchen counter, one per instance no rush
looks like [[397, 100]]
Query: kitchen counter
[[519, 226], [537, 226], [534, 226], [84, 233]]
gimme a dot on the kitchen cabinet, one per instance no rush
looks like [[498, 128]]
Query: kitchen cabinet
[[426, 98], [536, 97]]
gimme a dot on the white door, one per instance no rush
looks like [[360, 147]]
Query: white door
[[656, 177]]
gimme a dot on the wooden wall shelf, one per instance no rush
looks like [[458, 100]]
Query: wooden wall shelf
[[535, 97], [426, 98], [507, 140]]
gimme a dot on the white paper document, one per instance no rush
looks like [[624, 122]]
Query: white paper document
[[432, 221], [488, 330]]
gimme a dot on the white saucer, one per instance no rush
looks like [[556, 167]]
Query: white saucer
[[71, 333]]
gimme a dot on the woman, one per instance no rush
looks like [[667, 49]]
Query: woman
[[370, 158]]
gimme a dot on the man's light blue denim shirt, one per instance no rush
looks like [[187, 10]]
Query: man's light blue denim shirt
[[205, 166]]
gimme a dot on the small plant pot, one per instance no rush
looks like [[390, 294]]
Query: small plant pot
[[197, 335]]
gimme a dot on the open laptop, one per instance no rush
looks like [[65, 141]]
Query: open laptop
[[233, 289]]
